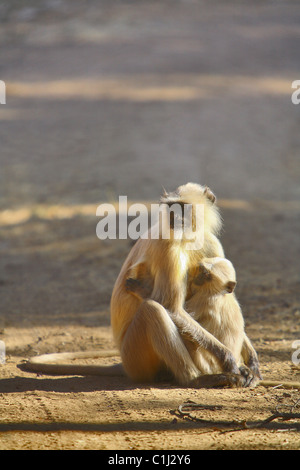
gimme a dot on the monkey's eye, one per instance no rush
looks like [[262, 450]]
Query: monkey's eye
[[230, 286]]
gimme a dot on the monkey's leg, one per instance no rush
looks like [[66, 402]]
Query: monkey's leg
[[194, 332], [152, 340], [211, 377], [219, 380]]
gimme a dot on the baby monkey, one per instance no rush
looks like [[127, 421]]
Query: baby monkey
[[210, 300]]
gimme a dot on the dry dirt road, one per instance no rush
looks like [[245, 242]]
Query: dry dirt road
[[108, 100]]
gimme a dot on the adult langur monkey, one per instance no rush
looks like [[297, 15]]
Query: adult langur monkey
[[150, 332]]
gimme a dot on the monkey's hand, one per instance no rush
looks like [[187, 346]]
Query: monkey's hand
[[250, 358], [189, 328], [255, 370], [133, 286], [228, 362], [137, 288], [250, 379]]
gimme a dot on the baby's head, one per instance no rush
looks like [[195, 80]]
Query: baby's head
[[216, 275]]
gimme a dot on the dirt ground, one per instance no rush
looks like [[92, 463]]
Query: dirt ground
[[107, 99]]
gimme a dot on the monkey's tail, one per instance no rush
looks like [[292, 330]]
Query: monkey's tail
[[276, 383], [50, 364]]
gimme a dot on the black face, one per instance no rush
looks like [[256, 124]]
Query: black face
[[179, 214], [203, 276], [230, 286], [183, 212]]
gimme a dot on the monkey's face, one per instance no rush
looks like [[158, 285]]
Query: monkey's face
[[180, 206], [181, 215], [204, 276], [217, 275], [191, 193]]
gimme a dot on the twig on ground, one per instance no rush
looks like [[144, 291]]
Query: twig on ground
[[185, 408]]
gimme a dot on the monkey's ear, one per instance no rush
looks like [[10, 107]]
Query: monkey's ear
[[209, 194], [230, 286], [165, 193]]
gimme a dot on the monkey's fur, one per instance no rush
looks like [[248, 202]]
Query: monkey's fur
[[149, 331], [159, 332], [212, 303]]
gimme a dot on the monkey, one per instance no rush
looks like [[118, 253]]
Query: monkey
[[212, 302], [167, 260], [148, 336], [151, 333]]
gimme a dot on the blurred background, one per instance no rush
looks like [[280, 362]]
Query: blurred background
[[121, 98], [107, 98]]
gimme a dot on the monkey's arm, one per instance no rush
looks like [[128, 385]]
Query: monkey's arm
[[250, 358], [172, 299], [195, 333]]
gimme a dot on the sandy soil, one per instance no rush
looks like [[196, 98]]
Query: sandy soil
[[162, 96]]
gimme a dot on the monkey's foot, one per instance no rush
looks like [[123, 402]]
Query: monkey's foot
[[251, 380], [219, 381]]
